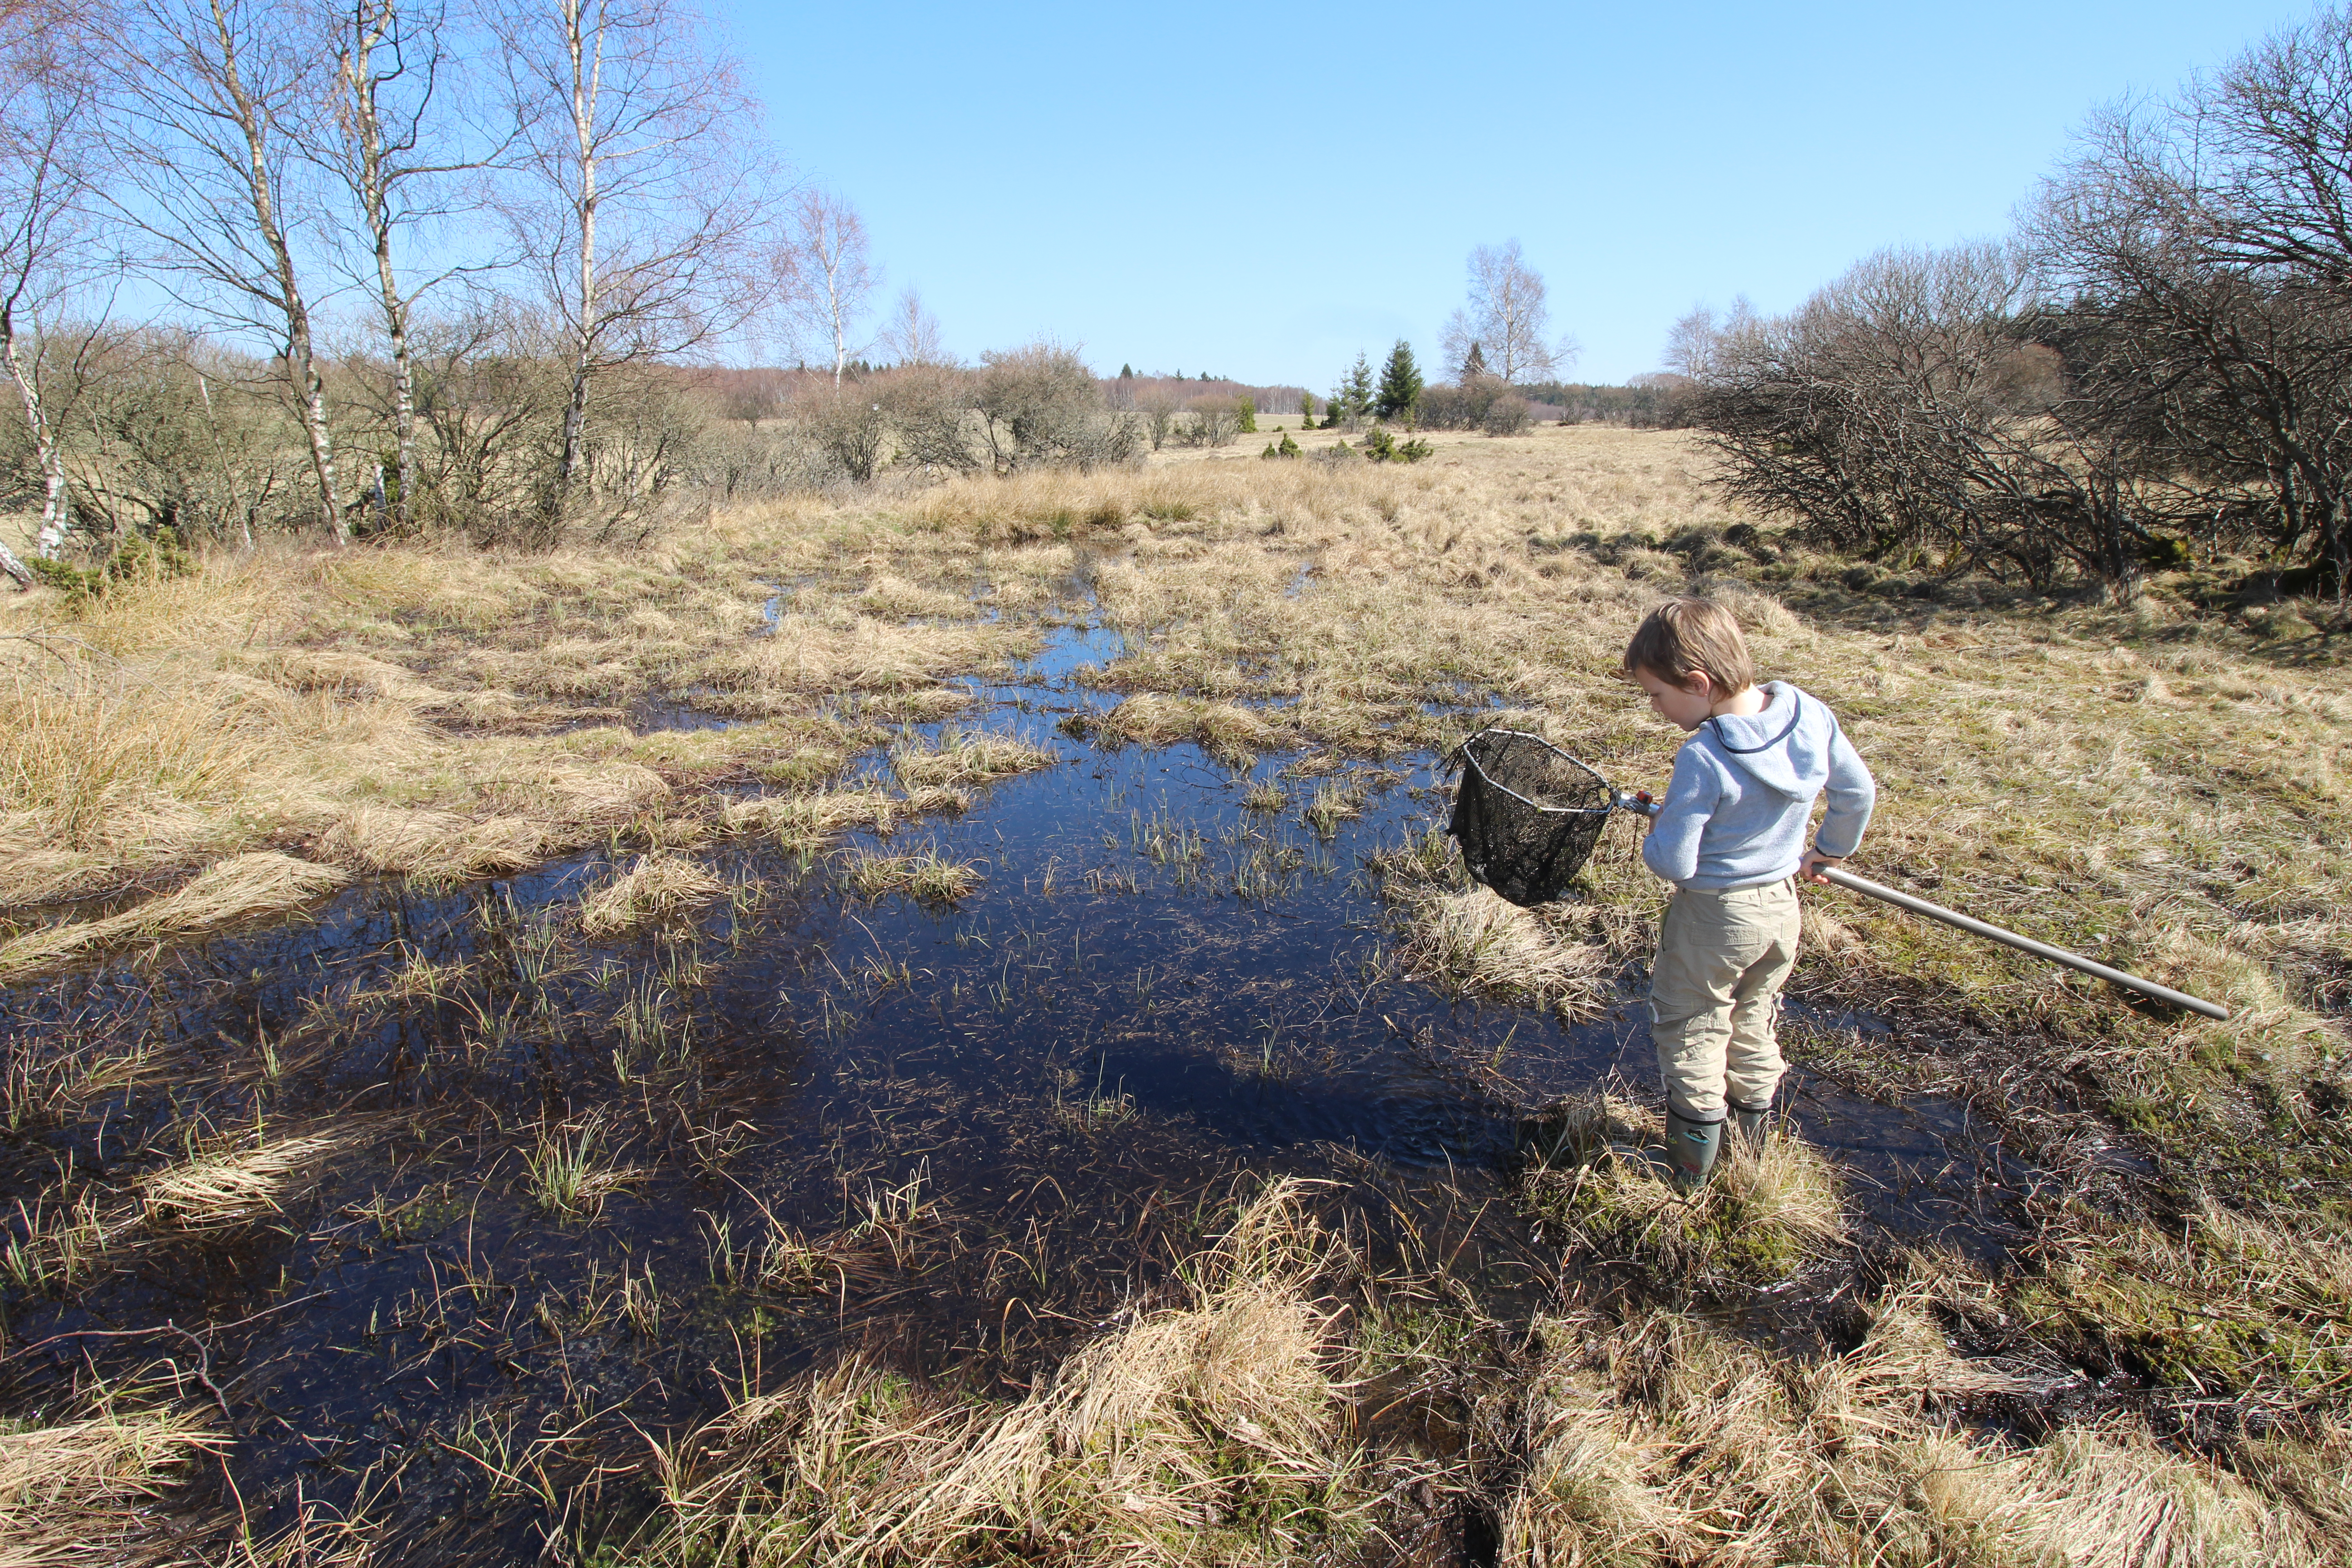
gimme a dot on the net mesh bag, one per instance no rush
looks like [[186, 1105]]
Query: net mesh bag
[[1527, 815]]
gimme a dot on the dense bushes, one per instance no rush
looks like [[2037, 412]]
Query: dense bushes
[[161, 435], [2161, 361]]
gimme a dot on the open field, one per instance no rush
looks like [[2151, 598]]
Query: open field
[[937, 1025]]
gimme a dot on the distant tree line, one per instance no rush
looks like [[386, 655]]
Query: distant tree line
[[394, 266], [2158, 364]]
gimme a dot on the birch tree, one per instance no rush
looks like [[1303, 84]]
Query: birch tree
[[641, 190], [1507, 319], [912, 337], [207, 93], [48, 121], [400, 148], [827, 271]]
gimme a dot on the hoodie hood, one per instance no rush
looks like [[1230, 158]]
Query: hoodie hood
[[1786, 748]]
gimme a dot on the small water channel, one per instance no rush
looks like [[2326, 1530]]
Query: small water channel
[[1004, 1118]]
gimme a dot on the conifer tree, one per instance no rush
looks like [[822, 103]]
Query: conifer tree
[[1474, 365], [1356, 392], [1400, 384], [1246, 406]]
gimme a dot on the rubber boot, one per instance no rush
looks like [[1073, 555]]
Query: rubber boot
[[1691, 1148], [1750, 1123]]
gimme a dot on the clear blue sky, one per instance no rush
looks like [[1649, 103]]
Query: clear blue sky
[[1260, 192]]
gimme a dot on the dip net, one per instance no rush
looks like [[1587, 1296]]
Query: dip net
[[1527, 815]]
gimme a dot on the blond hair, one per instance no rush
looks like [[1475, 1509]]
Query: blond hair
[[1684, 637]]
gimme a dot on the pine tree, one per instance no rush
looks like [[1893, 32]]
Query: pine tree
[[1127, 373], [1357, 390], [1400, 384], [1474, 365], [1246, 406]]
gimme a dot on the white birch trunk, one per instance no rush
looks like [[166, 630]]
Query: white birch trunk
[[301, 361], [51, 538]]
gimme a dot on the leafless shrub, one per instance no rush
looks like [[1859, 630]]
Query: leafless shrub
[[1040, 406]]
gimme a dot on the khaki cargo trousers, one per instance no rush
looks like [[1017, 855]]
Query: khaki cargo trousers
[[1715, 995]]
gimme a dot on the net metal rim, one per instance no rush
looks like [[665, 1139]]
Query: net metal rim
[[1470, 760]]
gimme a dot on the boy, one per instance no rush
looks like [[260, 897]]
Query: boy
[[1731, 836]]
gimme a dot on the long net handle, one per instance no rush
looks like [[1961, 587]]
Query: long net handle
[[1642, 805], [1918, 906]]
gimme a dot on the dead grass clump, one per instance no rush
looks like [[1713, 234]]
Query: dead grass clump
[[1475, 944], [966, 757], [1207, 1431], [804, 823], [926, 874], [892, 596], [232, 1186], [1660, 1441], [85, 1491], [241, 887], [1591, 1183], [1230, 733], [661, 886], [813, 654], [432, 844]]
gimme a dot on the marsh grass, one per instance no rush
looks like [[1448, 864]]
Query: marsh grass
[[1474, 943], [966, 757], [46, 1076], [88, 1490], [1658, 1440], [803, 824], [567, 1171], [231, 1186], [1591, 1180], [659, 887], [2220, 1300], [1209, 1429], [924, 874], [244, 886]]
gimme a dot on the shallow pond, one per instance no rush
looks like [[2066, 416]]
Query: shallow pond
[[984, 1128]]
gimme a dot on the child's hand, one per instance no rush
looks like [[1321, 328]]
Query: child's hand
[[1809, 868]]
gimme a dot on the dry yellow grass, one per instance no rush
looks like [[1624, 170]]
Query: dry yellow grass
[[232, 1186], [243, 887], [658, 887], [1210, 1430], [85, 1491], [1596, 1180], [1660, 1441]]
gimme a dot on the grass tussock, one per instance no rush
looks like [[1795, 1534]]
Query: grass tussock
[[806, 823], [434, 846], [245, 887], [1209, 1430], [230, 1187], [1231, 733], [88, 1490], [1474, 943], [926, 874], [966, 757], [1592, 1183], [661, 886], [1660, 1441], [568, 1173]]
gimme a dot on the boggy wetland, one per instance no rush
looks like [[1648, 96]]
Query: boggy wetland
[[942, 1026]]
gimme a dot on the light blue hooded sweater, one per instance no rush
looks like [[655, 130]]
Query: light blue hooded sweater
[[1735, 812]]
